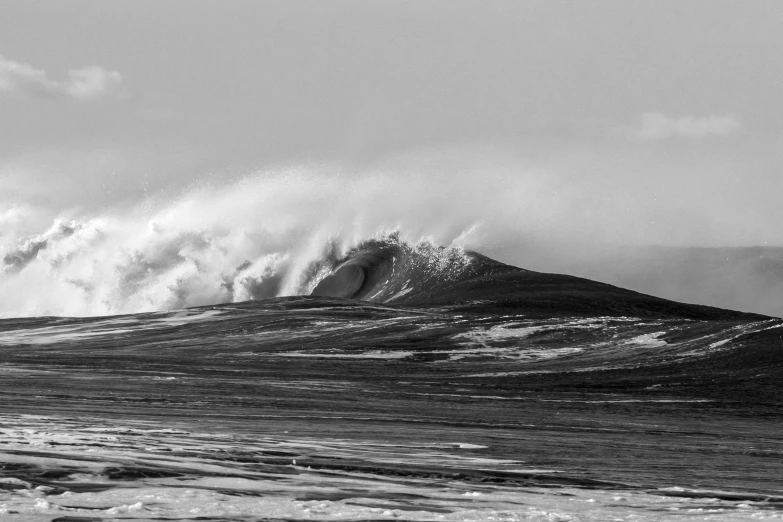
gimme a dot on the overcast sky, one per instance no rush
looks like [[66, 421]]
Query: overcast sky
[[672, 108]]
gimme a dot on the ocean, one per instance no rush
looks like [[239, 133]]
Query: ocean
[[412, 383]]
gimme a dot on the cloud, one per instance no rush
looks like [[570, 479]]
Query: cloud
[[657, 126], [85, 84]]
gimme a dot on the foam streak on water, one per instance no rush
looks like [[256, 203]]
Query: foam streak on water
[[141, 471]]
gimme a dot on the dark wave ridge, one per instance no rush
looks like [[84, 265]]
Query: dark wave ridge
[[394, 272]]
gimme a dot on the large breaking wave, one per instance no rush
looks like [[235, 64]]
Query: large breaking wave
[[285, 232], [268, 235]]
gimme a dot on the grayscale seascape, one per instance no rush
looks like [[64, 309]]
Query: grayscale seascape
[[374, 261]]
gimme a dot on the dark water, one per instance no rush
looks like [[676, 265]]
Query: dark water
[[463, 389]]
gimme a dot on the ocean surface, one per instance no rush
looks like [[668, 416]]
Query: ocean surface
[[407, 382]]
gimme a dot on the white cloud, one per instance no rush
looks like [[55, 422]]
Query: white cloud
[[88, 83], [657, 126]]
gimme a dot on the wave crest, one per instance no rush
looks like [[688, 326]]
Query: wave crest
[[388, 269]]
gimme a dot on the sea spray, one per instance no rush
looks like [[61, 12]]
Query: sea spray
[[271, 234]]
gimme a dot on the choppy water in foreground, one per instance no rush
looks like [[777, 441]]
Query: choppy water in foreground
[[323, 408]]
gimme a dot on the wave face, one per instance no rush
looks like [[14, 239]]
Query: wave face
[[387, 270]]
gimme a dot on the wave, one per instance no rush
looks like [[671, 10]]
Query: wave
[[396, 239], [384, 270], [269, 235], [192, 269]]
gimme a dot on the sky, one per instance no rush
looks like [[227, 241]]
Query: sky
[[606, 122]]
